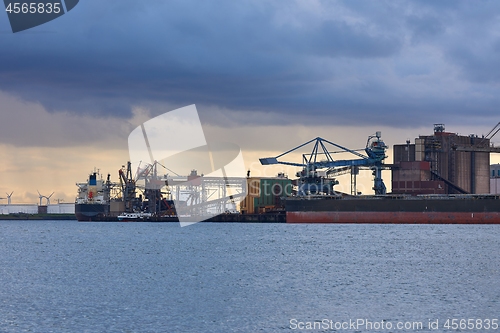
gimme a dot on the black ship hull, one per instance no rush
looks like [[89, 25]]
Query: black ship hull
[[93, 212], [475, 209]]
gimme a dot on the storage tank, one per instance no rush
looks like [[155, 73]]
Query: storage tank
[[461, 161]]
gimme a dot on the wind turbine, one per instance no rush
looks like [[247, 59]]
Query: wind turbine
[[44, 196], [48, 198], [40, 197], [8, 197]]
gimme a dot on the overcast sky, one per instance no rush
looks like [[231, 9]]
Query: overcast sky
[[89, 77]]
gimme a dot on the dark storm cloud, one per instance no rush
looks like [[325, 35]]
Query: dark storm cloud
[[480, 64], [474, 44], [338, 62], [425, 27]]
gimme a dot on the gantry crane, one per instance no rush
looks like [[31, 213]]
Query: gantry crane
[[310, 182]]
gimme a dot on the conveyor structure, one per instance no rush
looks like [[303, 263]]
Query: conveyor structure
[[310, 182]]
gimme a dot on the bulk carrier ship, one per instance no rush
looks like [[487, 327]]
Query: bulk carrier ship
[[93, 200], [442, 178], [426, 209]]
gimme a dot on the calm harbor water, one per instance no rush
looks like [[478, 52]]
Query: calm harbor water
[[66, 276]]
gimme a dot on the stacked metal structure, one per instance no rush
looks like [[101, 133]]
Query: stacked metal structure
[[442, 163]]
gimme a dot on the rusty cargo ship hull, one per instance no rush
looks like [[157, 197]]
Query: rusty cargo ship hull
[[444, 209]]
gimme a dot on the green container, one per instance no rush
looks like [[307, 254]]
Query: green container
[[272, 190]]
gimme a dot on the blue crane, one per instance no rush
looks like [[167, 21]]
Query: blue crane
[[321, 158]]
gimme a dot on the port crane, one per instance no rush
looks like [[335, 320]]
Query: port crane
[[310, 182]]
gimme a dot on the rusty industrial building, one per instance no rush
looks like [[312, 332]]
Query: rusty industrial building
[[443, 163]]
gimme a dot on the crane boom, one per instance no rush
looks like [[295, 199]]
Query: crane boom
[[494, 131], [312, 183]]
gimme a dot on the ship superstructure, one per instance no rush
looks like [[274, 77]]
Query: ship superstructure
[[94, 198]]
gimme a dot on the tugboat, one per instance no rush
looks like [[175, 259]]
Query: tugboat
[[134, 217]]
